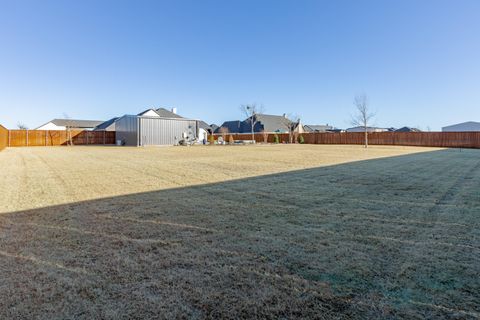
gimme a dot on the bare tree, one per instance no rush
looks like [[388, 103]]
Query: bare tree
[[251, 111], [290, 123], [68, 128], [363, 116], [22, 126]]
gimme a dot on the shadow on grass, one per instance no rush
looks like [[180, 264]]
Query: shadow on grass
[[392, 237]]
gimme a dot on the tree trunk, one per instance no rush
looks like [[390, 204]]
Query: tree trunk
[[366, 138]]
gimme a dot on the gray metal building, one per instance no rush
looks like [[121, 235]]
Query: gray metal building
[[134, 130]]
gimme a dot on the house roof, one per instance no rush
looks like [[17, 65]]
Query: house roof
[[467, 122], [361, 129], [203, 125], [164, 113], [469, 125], [407, 129], [271, 123], [74, 123], [317, 127], [145, 111], [265, 122], [232, 126], [106, 124]]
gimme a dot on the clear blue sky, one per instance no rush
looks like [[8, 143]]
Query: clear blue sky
[[418, 61]]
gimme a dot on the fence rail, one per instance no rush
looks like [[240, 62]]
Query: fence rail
[[36, 138], [420, 139]]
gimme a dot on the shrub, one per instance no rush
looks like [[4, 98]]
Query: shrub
[[301, 139], [211, 139], [276, 139]]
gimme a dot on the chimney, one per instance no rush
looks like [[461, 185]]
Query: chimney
[[284, 115], [174, 110]]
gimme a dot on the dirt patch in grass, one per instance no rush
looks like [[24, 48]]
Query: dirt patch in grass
[[255, 232]]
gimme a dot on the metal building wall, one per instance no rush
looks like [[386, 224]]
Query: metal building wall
[[161, 131], [127, 130]]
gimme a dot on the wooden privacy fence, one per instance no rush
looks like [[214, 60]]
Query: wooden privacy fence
[[420, 139], [36, 138], [3, 137], [23, 138]]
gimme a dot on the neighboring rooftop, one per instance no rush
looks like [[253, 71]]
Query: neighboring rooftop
[[369, 129], [107, 124], [164, 113], [408, 129], [214, 127], [160, 112], [272, 123], [317, 127], [464, 126], [75, 123], [204, 125], [265, 122], [148, 113], [234, 126]]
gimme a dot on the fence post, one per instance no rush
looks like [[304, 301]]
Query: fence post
[[9, 137], [104, 137], [87, 136], [27, 136]]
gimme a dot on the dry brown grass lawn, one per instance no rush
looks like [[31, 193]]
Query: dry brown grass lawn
[[298, 231]]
